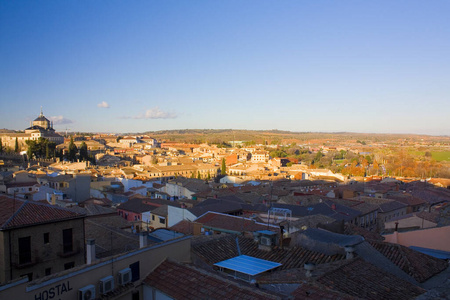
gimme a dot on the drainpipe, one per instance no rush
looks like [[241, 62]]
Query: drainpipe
[[90, 251]]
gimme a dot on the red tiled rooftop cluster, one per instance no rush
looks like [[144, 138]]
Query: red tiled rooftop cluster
[[18, 213]]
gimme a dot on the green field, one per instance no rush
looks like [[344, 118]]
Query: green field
[[436, 155], [441, 156]]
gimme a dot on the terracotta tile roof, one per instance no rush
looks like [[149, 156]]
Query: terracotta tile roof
[[216, 205], [186, 282], [111, 234], [351, 229], [136, 205], [232, 223], [315, 291], [18, 213], [340, 212], [219, 249], [407, 199], [184, 226], [429, 216], [361, 279], [418, 265], [20, 184]]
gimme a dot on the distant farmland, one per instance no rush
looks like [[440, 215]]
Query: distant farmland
[[441, 156]]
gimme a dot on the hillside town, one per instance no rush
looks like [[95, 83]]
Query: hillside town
[[103, 216]]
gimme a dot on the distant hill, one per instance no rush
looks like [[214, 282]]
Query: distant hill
[[4, 130], [271, 136]]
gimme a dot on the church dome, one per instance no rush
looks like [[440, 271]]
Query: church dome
[[42, 122]]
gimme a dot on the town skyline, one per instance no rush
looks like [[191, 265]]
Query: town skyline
[[301, 66]]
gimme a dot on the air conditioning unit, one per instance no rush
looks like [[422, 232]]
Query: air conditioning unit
[[106, 284], [124, 276], [87, 293], [266, 241]]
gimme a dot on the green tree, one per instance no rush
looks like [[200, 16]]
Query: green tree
[[198, 175], [1, 146], [42, 148], [278, 153], [72, 150], [84, 152], [16, 146], [47, 151], [32, 148], [223, 170], [209, 176]]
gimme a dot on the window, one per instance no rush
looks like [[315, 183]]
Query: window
[[69, 265], [162, 220], [46, 238], [67, 240], [153, 218], [135, 271], [24, 250], [48, 271]]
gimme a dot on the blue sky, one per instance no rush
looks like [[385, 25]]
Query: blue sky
[[135, 66]]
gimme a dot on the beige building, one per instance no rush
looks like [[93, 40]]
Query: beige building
[[119, 277], [38, 240], [260, 156], [40, 127]]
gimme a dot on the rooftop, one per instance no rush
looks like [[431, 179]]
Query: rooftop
[[18, 213], [248, 265], [180, 281], [219, 249], [363, 280]]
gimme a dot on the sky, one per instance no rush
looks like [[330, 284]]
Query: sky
[[303, 66]]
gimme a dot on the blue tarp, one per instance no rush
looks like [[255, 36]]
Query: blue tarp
[[248, 265]]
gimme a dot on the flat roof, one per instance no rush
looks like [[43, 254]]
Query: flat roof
[[248, 265]]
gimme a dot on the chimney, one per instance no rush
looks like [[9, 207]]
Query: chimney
[[53, 199], [349, 252], [142, 240], [309, 267], [90, 251], [197, 228]]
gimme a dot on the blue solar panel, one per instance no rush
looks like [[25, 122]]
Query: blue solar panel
[[248, 265]]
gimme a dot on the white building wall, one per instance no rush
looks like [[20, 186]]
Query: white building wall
[[177, 214], [130, 183]]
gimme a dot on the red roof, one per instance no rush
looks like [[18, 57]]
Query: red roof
[[315, 291], [186, 282], [184, 226], [19, 213], [232, 223], [361, 279]]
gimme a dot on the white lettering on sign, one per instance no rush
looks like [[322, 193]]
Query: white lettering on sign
[[54, 291]]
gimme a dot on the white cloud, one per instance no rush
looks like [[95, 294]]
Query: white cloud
[[59, 120], [103, 104], [156, 113]]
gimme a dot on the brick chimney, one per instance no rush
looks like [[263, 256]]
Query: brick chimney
[[142, 240]]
